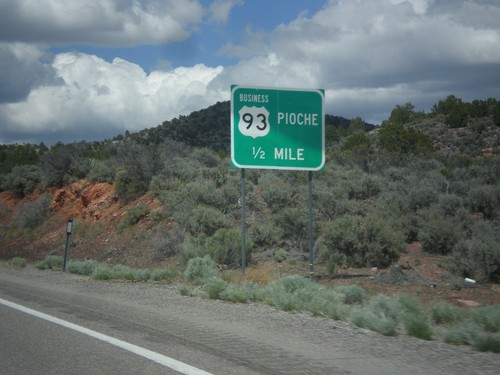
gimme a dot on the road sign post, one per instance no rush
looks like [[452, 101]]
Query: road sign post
[[277, 128]]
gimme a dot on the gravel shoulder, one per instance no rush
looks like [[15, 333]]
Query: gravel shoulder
[[227, 338]]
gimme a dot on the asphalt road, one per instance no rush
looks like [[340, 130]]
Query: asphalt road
[[208, 336]]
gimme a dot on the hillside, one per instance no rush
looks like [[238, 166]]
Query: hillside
[[397, 208]]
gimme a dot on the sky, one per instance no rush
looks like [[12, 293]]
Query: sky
[[89, 70]]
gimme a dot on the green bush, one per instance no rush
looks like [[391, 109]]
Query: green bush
[[85, 267], [487, 317], [199, 270], [22, 180], [295, 293], [224, 247], [439, 234], [122, 272], [102, 272], [352, 294], [54, 262], [478, 256], [17, 262], [167, 242], [487, 343], [443, 313], [360, 242], [242, 293], [33, 213], [134, 215], [417, 325], [141, 275], [214, 286], [485, 199], [165, 274], [206, 220]]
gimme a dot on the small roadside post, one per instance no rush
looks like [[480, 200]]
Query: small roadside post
[[69, 227]]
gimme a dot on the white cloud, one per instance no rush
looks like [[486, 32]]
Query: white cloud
[[98, 22], [219, 10], [368, 55], [103, 99], [370, 50]]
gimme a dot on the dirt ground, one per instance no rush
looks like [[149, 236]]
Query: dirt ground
[[99, 211]]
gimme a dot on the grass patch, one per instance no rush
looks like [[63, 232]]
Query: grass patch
[[85, 267], [17, 262], [165, 274], [51, 262]]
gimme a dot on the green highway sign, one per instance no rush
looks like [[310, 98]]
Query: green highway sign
[[277, 128]]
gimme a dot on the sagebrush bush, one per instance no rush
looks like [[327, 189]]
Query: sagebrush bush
[[102, 272], [224, 247], [214, 286], [443, 313], [134, 215], [477, 256], [382, 314], [206, 220], [439, 234], [167, 242], [85, 267], [164, 274], [295, 293], [352, 294], [33, 213], [243, 293], [122, 272], [17, 262], [487, 317], [200, 269], [141, 275], [360, 242]]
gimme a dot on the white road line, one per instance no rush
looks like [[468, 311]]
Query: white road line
[[174, 364]]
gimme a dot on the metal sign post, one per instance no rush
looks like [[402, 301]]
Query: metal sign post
[[69, 227], [277, 129]]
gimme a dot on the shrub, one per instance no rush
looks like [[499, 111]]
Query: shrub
[[200, 269], [102, 272], [206, 220], [164, 274], [141, 275], [134, 215], [214, 286], [439, 234], [418, 326], [487, 343], [32, 214], [121, 272], [242, 293], [265, 234], [485, 199], [487, 317], [54, 261], [17, 262], [352, 294], [193, 247], [445, 313], [462, 334], [477, 257], [85, 267], [295, 293], [360, 242], [279, 255], [22, 180], [167, 242], [224, 247]]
